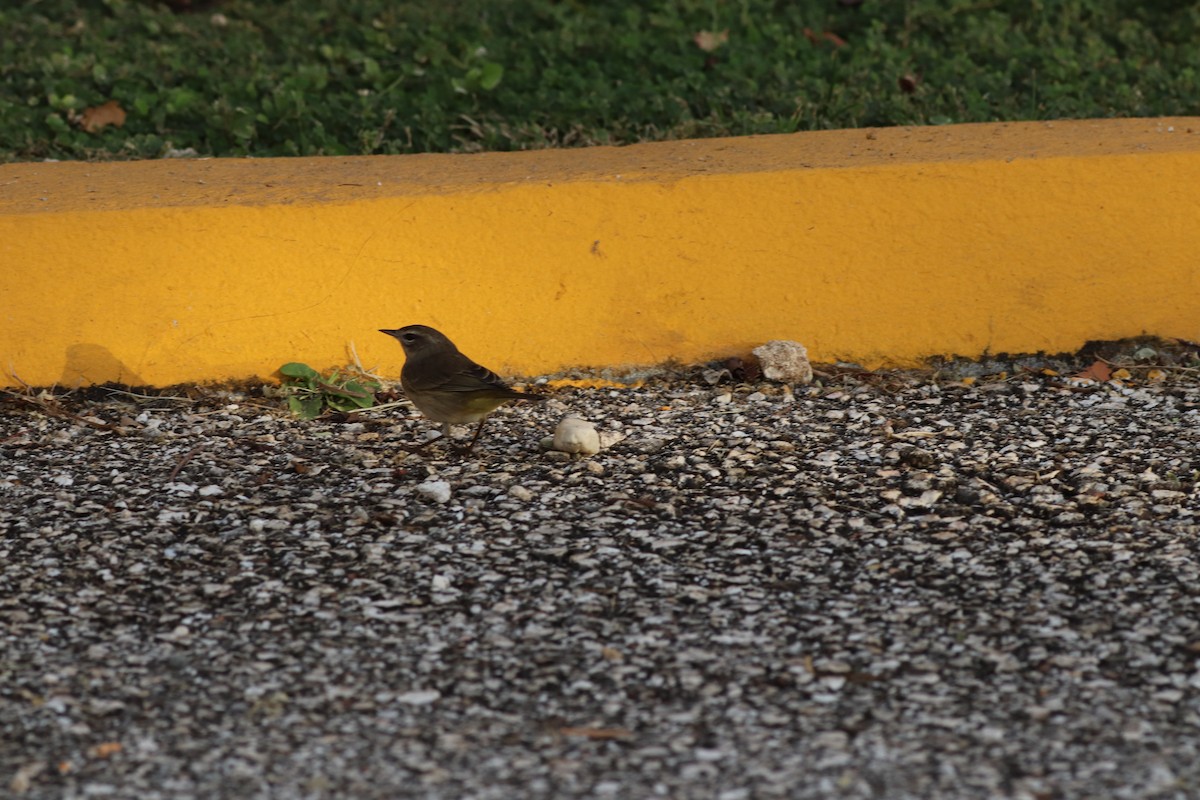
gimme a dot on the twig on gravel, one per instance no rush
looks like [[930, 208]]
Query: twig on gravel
[[183, 462], [381, 407], [150, 397]]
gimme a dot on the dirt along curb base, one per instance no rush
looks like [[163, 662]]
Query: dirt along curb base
[[880, 246]]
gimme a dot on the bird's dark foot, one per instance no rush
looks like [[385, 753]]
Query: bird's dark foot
[[423, 447]]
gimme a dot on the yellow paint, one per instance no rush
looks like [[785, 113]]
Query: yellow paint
[[592, 383], [882, 247]]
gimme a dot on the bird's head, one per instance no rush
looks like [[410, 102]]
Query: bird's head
[[418, 340]]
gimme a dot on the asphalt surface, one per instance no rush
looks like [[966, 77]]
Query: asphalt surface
[[877, 587]]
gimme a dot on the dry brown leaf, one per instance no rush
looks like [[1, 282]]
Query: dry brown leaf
[[99, 117], [709, 41], [1098, 371], [826, 36]]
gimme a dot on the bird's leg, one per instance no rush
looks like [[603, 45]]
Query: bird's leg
[[474, 438], [423, 446]]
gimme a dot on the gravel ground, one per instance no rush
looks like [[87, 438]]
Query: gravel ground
[[878, 587]]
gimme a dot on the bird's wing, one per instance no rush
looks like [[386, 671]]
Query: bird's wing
[[463, 375]]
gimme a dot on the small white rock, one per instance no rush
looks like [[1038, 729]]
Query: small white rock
[[437, 491], [609, 438], [575, 435], [784, 362], [418, 698], [520, 493]]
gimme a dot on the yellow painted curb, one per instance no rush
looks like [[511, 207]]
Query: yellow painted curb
[[877, 246]]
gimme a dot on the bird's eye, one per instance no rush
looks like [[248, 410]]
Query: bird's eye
[[409, 337]]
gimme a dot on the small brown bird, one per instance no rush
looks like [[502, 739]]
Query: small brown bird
[[445, 385]]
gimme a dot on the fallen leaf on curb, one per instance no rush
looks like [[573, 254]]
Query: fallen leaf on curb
[[1098, 371], [711, 40], [597, 733], [98, 117]]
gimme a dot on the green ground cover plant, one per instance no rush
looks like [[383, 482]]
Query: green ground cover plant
[[310, 77], [309, 393]]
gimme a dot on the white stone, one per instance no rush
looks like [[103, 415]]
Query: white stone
[[437, 491], [419, 697], [609, 438], [575, 435], [784, 362]]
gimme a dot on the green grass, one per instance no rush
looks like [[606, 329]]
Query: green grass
[[377, 76]]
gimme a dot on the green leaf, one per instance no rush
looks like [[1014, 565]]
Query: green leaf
[[364, 396], [182, 99], [489, 75], [57, 124], [295, 369], [306, 407]]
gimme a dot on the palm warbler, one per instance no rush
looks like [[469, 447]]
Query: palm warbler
[[445, 385]]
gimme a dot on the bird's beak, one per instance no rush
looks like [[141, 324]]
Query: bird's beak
[[390, 333]]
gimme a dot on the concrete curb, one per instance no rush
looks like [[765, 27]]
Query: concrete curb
[[880, 246]]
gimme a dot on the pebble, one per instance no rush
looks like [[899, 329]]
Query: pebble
[[437, 491], [784, 362], [575, 435]]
